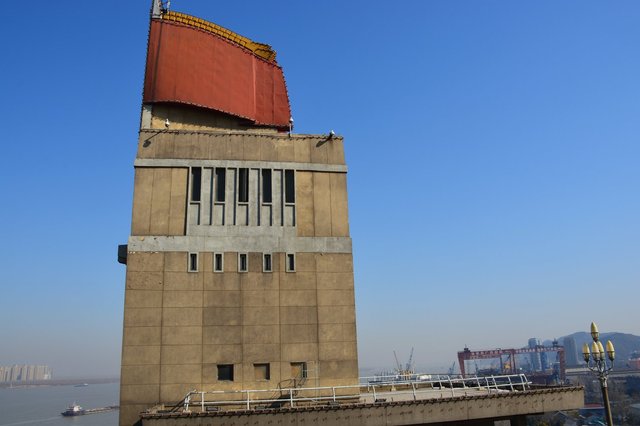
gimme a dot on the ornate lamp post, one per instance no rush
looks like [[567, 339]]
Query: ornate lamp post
[[597, 362]]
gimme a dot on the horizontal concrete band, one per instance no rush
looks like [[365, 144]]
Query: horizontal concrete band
[[271, 134], [313, 167], [264, 243]]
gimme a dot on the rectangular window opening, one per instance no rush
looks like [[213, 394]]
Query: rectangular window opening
[[291, 262], [266, 264], [262, 371], [218, 262], [243, 262], [298, 370], [289, 186], [193, 262], [196, 183], [225, 372], [219, 182], [267, 193], [243, 185]]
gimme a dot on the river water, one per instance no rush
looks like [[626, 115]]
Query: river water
[[42, 405]]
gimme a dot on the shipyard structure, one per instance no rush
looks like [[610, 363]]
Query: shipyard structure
[[239, 265]]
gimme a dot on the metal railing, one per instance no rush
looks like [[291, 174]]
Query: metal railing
[[370, 390], [423, 386]]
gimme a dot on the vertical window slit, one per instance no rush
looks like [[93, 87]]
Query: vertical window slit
[[193, 262], [267, 262], [242, 262], [266, 186], [217, 262], [291, 262], [220, 179], [243, 185], [289, 186], [196, 183]]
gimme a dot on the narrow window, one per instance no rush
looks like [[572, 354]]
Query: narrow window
[[298, 370], [242, 262], [218, 262], [220, 184], [266, 186], [289, 187], [196, 183], [243, 185], [291, 262], [225, 372], [266, 264], [262, 371], [193, 262]]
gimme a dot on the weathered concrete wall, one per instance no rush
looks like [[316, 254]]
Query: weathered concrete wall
[[239, 145], [322, 204], [498, 409], [182, 117], [159, 203], [179, 325]]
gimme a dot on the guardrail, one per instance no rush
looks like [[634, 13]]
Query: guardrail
[[424, 385], [371, 389]]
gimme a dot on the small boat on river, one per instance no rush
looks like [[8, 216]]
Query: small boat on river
[[76, 410], [73, 410]]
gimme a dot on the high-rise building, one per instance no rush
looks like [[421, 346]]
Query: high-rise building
[[571, 351], [536, 363], [25, 373], [239, 264]]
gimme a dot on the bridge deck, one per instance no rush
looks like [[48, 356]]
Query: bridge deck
[[477, 409]]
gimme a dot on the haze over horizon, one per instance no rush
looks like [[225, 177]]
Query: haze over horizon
[[493, 167]]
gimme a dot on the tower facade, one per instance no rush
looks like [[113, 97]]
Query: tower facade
[[239, 264]]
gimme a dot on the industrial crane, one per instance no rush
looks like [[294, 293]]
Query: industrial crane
[[410, 363], [408, 370], [398, 365]]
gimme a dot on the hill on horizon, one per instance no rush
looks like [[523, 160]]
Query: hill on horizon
[[624, 344]]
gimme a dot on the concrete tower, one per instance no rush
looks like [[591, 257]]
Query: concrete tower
[[239, 265]]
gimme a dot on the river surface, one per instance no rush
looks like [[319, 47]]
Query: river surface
[[42, 405]]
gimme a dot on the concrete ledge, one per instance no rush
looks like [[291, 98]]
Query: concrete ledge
[[259, 239], [462, 410], [170, 162]]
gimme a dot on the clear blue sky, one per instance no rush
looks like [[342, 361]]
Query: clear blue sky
[[493, 160]]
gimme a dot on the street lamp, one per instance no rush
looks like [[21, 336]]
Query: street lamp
[[597, 362]]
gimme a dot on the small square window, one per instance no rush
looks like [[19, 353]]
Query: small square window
[[243, 262], [298, 370], [262, 371], [193, 262], [218, 262], [225, 372], [267, 263], [291, 262]]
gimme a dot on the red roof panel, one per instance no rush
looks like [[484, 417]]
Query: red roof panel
[[190, 66]]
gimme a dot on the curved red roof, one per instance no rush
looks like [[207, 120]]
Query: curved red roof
[[191, 66]]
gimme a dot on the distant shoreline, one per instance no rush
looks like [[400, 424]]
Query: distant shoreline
[[59, 382]]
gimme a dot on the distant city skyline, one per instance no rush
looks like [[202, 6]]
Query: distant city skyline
[[493, 167], [24, 373]]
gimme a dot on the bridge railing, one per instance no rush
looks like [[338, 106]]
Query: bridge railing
[[375, 389], [421, 386]]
